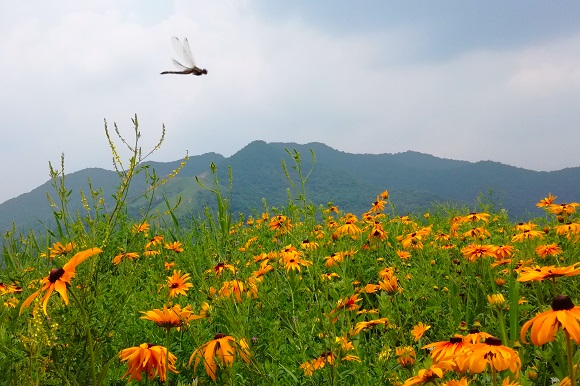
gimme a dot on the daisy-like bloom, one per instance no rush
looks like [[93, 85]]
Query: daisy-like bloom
[[331, 208], [377, 232], [473, 217], [220, 267], [168, 265], [378, 205], [419, 330], [414, 240], [125, 255], [406, 356], [545, 325], [446, 349], [140, 228], [334, 259], [563, 208], [405, 255], [546, 201], [476, 336], [368, 325], [349, 228], [538, 273], [58, 249], [473, 252], [546, 250], [223, 347], [569, 230], [309, 245], [58, 279], [293, 261], [9, 289], [149, 359], [527, 234], [178, 284], [477, 233], [280, 224], [426, 376], [175, 246], [456, 382], [157, 240], [329, 276], [264, 269], [502, 252], [477, 357], [173, 317], [390, 285]]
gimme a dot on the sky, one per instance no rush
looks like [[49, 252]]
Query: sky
[[479, 80]]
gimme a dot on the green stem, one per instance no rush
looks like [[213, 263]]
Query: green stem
[[89, 336], [167, 342], [493, 374], [502, 327], [571, 372]]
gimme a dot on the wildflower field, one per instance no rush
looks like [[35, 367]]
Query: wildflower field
[[301, 295]]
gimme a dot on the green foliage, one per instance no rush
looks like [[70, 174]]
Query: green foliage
[[297, 282]]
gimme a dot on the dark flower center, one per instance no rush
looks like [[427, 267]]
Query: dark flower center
[[55, 274], [561, 303], [174, 285], [326, 354], [474, 331], [219, 336], [456, 339], [493, 341]]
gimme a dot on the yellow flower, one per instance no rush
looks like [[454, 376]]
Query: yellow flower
[[497, 301], [549, 272], [170, 317], [546, 324], [476, 357], [140, 228], [425, 376], [406, 356], [446, 349], [178, 284], [58, 249], [225, 348], [58, 279], [419, 330], [147, 358], [129, 255], [175, 247]]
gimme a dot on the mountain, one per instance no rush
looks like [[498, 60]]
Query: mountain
[[351, 181]]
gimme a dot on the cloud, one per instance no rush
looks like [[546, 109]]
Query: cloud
[[399, 82]]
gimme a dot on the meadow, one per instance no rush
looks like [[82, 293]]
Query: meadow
[[298, 295]]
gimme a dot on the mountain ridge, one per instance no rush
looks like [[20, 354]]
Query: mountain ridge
[[416, 181]]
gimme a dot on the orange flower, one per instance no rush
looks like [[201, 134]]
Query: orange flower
[[545, 325], [527, 234], [147, 358], [58, 279], [548, 250], [176, 246], [140, 228], [170, 317], [349, 304], [425, 376], [472, 252], [419, 330], [476, 357], [546, 201], [178, 284], [225, 348], [369, 324], [538, 273], [58, 250], [406, 356], [129, 255], [473, 217], [446, 349]]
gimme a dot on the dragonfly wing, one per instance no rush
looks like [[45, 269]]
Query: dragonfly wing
[[183, 50], [187, 56], [179, 65]]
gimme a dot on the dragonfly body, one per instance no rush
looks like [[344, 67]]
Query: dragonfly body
[[184, 51]]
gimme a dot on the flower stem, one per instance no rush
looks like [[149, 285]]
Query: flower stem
[[493, 375], [89, 336], [502, 327], [571, 372], [167, 342]]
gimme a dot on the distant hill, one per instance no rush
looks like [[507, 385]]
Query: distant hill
[[351, 181]]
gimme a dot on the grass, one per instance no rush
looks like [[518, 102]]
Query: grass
[[309, 295]]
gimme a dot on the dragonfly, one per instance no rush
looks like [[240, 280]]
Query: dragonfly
[[184, 52]]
